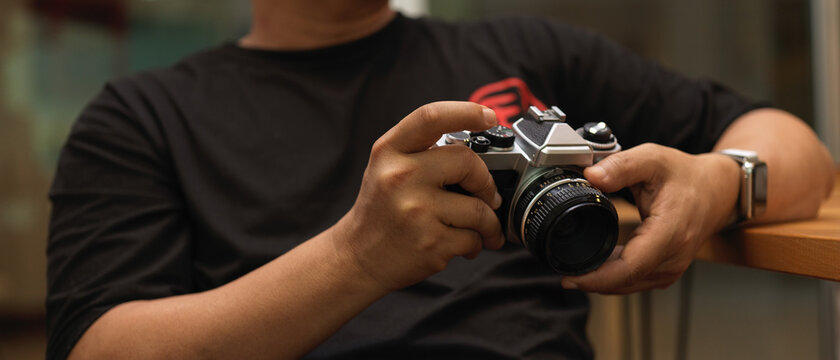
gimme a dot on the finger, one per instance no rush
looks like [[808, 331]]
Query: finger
[[650, 282], [640, 164], [456, 164], [463, 242], [660, 278], [638, 259], [424, 126], [467, 212]]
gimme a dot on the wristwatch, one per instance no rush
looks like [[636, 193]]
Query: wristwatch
[[752, 200]]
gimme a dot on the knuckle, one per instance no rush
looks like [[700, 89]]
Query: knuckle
[[650, 147], [465, 154], [396, 175], [461, 155], [428, 243], [378, 147], [480, 209], [413, 209], [488, 186], [428, 112], [652, 152], [473, 166]]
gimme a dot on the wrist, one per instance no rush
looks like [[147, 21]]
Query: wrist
[[727, 176], [339, 240]]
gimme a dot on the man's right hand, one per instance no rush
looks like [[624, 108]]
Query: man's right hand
[[405, 226]]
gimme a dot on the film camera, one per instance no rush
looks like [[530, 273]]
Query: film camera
[[548, 206]]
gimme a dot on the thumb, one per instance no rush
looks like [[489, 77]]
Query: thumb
[[640, 164]]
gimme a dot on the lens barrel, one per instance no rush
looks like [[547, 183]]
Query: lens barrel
[[564, 221]]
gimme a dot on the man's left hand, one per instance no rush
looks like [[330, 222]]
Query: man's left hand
[[683, 200]]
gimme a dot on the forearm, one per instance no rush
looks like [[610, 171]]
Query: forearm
[[280, 310], [800, 170]]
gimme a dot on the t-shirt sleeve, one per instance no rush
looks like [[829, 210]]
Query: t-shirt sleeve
[[118, 229], [594, 79]]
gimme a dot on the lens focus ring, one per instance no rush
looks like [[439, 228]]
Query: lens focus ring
[[541, 212]]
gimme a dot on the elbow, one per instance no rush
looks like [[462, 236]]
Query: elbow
[[122, 332], [822, 173]]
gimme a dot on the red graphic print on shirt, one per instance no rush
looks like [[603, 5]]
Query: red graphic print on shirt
[[510, 98]]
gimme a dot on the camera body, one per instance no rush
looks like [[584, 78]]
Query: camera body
[[548, 206]]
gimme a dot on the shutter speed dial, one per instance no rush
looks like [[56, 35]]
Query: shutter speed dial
[[497, 138], [501, 137]]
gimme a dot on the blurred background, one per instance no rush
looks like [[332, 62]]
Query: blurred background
[[55, 55]]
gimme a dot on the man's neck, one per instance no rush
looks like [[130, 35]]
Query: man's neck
[[307, 24]]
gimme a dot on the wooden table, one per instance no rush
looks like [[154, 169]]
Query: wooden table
[[808, 248]]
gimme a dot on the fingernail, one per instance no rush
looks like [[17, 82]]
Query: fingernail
[[497, 201], [568, 285], [489, 116]]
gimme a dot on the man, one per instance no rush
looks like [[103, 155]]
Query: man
[[261, 200]]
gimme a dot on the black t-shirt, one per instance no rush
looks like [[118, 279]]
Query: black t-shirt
[[182, 179]]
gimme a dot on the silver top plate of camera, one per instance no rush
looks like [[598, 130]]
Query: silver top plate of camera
[[561, 146]]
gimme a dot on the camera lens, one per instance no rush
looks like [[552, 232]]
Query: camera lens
[[568, 224], [570, 238]]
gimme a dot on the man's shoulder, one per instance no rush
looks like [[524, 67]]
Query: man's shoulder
[[182, 78], [184, 71]]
